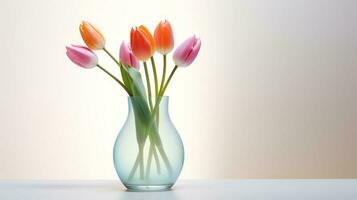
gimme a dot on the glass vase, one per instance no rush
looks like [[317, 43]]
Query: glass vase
[[148, 153]]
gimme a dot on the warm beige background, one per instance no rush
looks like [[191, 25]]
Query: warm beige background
[[272, 94]]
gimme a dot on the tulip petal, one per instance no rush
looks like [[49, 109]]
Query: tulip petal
[[141, 43], [126, 56], [134, 62], [194, 52], [185, 54], [183, 51], [148, 35], [164, 39], [82, 56], [91, 36]]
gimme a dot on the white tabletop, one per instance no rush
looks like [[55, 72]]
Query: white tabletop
[[341, 189]]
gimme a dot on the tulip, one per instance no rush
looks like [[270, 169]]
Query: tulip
[[164, 38], [127, 57], [91, 36], [82, 56], [186, 53], [142, 43]]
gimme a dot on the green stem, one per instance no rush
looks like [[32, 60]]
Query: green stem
[[164, 157], [152, 152], [161, 87], [110, 55], [115, 60], [155, 137], [155, 76], [116, 79], [148, 84], [158, 144], [141, 163], [136, 165], [138, 162], [163, 74], [148, 164], [156, 157], [168, 80], [157, 103]]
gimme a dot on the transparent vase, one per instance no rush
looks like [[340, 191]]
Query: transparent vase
[[148, 153]]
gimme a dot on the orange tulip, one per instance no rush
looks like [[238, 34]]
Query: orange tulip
[[91, 36], [142, 43], [164, 38]]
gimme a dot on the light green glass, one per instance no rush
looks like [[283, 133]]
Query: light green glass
[[148, 152]]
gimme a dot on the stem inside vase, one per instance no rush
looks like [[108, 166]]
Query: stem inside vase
[[156, 149]]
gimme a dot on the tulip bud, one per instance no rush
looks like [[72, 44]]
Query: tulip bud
[[91, 36], [82, 56], [164, 38], [142, 43], [186, 53], [127, 57]]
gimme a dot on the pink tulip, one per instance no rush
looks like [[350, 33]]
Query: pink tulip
[[186, 53], [82, 56], [127, 57]]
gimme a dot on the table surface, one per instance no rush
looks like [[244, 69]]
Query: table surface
[[185, 189]]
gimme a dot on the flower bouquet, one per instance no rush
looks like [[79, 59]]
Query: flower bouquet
[[148, 138]]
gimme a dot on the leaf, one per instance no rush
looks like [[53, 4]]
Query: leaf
[[137, 85], [140, 105], [126, 78]]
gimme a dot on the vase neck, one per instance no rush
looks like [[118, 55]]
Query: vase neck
[[143, 105]]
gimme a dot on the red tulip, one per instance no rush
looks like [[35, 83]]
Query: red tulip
[[164, 38], [142, 43]]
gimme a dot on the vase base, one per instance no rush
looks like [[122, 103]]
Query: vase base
[[148, 188]]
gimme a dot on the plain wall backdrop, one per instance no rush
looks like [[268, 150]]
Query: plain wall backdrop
[[272, 93]]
